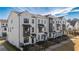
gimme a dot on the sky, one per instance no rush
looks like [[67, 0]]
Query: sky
[[67, 12]]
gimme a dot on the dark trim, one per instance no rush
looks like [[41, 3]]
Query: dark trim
[[26, 25]]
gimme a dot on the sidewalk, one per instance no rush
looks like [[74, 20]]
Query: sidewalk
[[2, 48], [63, 46]]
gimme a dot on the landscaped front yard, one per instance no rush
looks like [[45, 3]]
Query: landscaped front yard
[[10, 47]]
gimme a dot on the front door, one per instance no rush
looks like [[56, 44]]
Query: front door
[[32, 39], [44, 37]]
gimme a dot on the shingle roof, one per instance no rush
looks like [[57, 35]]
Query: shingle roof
[[73, 22]]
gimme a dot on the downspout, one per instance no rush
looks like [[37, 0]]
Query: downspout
[[19, 29], [20, 44]]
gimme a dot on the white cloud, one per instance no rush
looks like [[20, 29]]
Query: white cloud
[[60, 11], [75, 10], [21, 9]]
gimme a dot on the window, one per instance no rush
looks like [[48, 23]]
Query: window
[[32, 29], [40, 29], [10, 29], [26, 39], [32, 20], [60, 21], [63, 26], [52, 21], [2, 24], [6, 24], [32, 39], [56, 22], [49, 34], [57, 25], [42, 36], [53, 28], [50, 27], [4, 34], [38, 20], [26, 31], [11, 21], [45, 29], [5, 29], [26, 20], [38, 37], [67, 25], [44, 21]]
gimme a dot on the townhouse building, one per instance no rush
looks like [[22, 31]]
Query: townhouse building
[[57, 25], [69, 27], [3, 28], [25, 28], [76, 25]]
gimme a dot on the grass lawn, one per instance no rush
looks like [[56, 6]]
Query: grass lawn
[[76, 43], [1, 41], [7, 45], [10, 47]]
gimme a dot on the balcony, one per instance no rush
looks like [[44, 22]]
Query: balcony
[[40, 28], [3, 26], [40, 25], [33, 35], [26, 39], [26, 30]]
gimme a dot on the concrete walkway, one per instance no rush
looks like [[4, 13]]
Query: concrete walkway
[[2, 48]]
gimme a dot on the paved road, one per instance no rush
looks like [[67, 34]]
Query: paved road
[[2, 48], [57, 46], [69, 45]]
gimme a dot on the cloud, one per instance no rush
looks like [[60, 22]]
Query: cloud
[[75, 10], [36, 10], [60, 11], [21, 9]]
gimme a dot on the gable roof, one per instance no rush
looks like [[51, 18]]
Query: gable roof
[[73, 22]]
